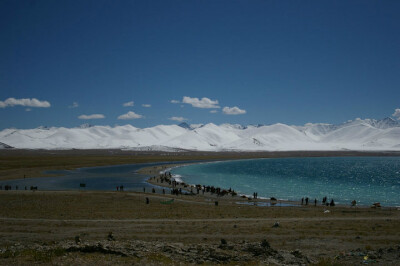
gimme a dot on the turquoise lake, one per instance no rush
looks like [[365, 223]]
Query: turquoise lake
[[364, 179]]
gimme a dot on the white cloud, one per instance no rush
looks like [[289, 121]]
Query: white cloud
[[128, 104], [28, 109], [203, 103], [74, 105], [130, 115], [179, 119], [174, 101], [233, 110], [24, 102], [396, 114], [93, 116], [213, 111], [146, 105]]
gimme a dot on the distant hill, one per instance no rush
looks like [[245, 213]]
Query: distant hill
[[367, 134]]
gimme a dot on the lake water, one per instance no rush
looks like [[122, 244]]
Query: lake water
[[95, 178], [365, 179]]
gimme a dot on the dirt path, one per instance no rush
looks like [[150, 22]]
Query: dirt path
[[293, 219]]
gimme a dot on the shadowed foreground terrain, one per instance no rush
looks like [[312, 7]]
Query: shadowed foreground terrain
[[120, 228]]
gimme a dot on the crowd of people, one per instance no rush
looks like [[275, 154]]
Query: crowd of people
[[176, 186], [176, 189]]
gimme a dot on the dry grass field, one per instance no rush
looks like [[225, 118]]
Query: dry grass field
[[30, 220]]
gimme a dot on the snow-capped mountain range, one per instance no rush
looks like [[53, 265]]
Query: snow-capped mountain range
[[368, 134]]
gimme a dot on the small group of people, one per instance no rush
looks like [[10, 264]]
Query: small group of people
[[215, 190], [120, 188], [326, 203], [167, 178], [176, 191], [305, 201], [8, 187]]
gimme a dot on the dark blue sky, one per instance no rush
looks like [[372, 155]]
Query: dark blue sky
[[281, 61]]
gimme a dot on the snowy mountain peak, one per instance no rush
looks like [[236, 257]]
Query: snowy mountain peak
[[185, 125], [194, 126], [387, 122], [43, 128], [384, 123], [86, 125], [233, 126], [367, 134], [191, 126]]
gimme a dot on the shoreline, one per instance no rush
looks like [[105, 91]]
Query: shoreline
[[155, 180], [164, 180], [157, 167], [170, 162]]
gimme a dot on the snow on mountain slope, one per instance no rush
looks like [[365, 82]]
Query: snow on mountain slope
[[358, 133], [382, 124], [273, 137], [191, 140], [368, 134], [217, 135], [315, 131], [5, 146], [388, 138], [208, 137]]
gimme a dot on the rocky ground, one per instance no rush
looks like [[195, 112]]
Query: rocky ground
[[112, 251], [137, 251]]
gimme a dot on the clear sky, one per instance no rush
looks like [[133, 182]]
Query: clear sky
[[65, 63]]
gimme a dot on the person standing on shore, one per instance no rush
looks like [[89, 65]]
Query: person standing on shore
[[332, 203]]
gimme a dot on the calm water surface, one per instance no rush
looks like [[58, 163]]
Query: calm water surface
[[95, 178], [365, 179]]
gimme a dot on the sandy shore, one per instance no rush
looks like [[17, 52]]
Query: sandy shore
[[85, 227], [156, 170]]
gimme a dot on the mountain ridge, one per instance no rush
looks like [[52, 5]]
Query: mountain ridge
[[358, 134]]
